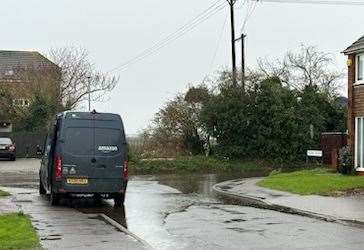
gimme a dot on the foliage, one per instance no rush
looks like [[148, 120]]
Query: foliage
[[270, 121], [305, 67], [43, 107], [314, 181], [42, 96], [192, 164], [277, 115], [79, 77], [53, 89], [16, 232], [346, 162], [177, 126], [6, 107]]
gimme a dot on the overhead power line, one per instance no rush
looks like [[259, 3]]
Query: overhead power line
[[327, 2], [218, 42], [189, 26], [249, 12]]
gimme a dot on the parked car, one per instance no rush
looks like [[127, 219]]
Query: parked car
[[7, 148], [85, 153]]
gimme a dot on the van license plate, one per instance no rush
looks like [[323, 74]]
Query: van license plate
[[74, 181]]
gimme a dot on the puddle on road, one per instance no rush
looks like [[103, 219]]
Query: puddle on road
[[23, 201], [201, 183], [242, 230], [234, 220], [150, 200]]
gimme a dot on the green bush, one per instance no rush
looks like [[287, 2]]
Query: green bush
[[270, 121], [346, 165]]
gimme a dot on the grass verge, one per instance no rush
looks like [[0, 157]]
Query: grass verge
[[17, 232], [192, 164], [315, 181], [3, 193]]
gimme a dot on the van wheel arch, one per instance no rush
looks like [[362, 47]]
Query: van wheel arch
[[119, 200], [54, 199]]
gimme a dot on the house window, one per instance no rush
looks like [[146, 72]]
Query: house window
[[359, 141], [360, 68], [9, 72], [21, 102]]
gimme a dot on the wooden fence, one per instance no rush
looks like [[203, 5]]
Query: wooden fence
[[26, 142]]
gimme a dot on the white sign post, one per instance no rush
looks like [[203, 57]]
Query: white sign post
[[313, 153]]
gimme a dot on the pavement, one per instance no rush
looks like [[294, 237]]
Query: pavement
[[340, 209], [61, 227], [67, 228], [7, 206]]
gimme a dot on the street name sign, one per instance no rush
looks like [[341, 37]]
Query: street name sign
[[314, 153]]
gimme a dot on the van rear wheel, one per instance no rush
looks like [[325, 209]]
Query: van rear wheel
[[119, 200], [54, 199]]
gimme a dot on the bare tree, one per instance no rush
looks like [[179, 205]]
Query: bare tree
[[305, 67], [79, 77]]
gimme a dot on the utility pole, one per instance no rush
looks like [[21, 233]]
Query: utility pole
[[232, 3], [243, 60], [89, 92], [242, 39]]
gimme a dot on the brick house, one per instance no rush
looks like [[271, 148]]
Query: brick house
[[355, 122], [19, 70]]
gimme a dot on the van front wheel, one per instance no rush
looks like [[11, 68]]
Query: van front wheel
[[119, 200], [41, 188]]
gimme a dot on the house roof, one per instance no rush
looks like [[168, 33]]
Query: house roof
[[23, 59], [355, 47]]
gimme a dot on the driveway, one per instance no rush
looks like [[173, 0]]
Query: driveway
[[22, 172]]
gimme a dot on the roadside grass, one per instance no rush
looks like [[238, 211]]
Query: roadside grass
[[17, 232], [192, 164], [3, 193], [315, 181]]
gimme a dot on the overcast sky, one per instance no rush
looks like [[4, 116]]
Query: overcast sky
[[116, 30]]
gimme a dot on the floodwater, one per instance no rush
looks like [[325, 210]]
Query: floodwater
[[181, 212]]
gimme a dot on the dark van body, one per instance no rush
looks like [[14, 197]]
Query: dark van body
[[85, 153]]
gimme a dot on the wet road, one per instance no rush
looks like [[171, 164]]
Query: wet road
[[180, 212], [170, 219]]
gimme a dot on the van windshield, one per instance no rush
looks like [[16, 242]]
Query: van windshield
[[79, 141]]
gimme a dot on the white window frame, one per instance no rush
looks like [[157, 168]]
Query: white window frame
[[357, 82], [359, 141], [9, 72], [21, 102]]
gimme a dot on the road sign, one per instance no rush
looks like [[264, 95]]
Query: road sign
[[314, 153]]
